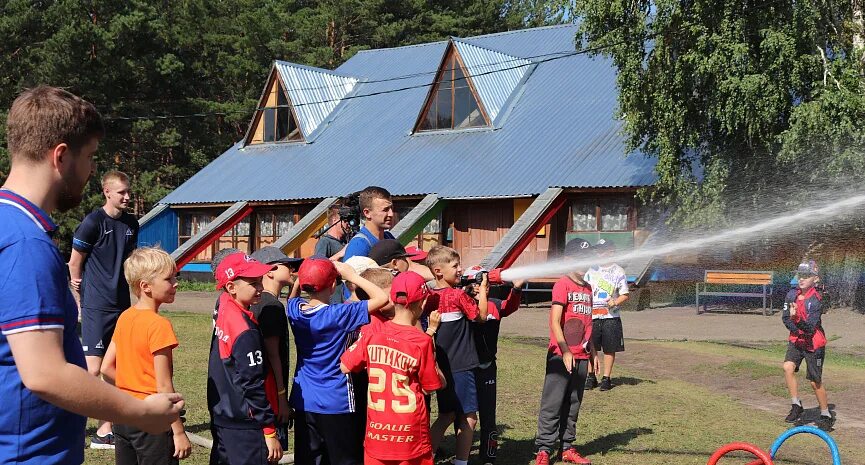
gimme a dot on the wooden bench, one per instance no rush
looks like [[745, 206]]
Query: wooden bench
[[740, 278]]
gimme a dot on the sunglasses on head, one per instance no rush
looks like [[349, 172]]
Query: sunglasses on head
[[805, 275]]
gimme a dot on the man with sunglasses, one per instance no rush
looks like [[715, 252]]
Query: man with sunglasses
[[802, 314]]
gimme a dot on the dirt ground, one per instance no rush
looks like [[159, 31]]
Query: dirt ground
[[662, 360]]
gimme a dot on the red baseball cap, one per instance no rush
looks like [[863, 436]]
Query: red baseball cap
[[415, 254], [316, 274], [407, 288], [239, 265]]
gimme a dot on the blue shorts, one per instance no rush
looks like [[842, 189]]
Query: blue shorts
[[460, 395]]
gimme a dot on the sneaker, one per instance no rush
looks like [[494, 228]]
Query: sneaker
[[543, 458], [606, 385], [102, 442], [572, 456], [825, 423], [795, 413], [591, 382]]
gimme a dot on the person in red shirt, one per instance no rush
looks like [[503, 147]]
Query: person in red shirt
[[400, 361], [567, 362], [802, 313]]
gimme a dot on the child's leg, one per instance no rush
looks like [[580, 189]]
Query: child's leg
[[465, 435], [308, 443], [124, 453], [555, 391], [344, 446], [486, 387], [790, 378], [609, 360], [577, 383], [439, 427], [822, 398]]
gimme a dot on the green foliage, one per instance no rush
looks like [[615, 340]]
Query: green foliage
[[144, 58], [740, 90]]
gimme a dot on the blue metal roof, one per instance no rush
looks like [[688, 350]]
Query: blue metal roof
[[560, 131], [314, 93], [495, 75]]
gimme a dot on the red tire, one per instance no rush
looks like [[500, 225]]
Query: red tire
[[762, 455]]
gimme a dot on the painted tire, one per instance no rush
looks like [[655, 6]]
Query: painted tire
[[833, 448], [744, 446]]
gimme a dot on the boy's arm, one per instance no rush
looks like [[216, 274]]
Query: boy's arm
[[786, 318], [512, 303], [44, 370], [249, 374], [109, 364], [377, 297], [814, 312], [483, 302], [559, 335], [163, 368]]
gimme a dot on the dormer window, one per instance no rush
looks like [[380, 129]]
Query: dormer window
[[275, 121], [453, 102]]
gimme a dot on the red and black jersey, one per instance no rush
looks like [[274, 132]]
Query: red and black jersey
[[802, 315], [576, 300], [487, 334], [241, 390], [454, 336], [400, 362]]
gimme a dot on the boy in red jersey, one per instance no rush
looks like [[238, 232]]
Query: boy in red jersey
[[567, 362], [802, 314], [455, 349], [400, 360]]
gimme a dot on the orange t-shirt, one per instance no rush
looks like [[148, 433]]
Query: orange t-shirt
[[138, 335]]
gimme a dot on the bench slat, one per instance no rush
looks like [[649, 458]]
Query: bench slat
[[739, 275], [755, 282]]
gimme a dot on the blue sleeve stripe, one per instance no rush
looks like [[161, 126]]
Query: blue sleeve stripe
[[80, 245]]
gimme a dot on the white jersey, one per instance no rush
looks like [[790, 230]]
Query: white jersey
[[608, 282]]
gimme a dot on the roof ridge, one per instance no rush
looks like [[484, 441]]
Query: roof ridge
[[516, 31], [424, 44], [490, 49], [315, 69]]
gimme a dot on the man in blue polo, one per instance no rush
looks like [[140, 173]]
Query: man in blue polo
[[47, 394], [377, 209]]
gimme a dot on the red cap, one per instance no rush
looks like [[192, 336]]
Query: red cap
[[239, 265], [407, 288], [316, 274], [415, 254]]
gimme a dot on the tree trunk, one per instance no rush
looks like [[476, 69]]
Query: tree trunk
[[859, 29]]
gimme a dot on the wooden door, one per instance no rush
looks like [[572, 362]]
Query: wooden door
[[478, 227]]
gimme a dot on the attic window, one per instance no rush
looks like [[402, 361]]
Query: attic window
[[275, 121], [453, 102]]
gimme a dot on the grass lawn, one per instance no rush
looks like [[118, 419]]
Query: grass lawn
[[641, 421]]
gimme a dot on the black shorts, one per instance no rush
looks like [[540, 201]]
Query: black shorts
[[97, 328], [814, 361], [237, 446], [607, 335], [135, 447], [334, 439]]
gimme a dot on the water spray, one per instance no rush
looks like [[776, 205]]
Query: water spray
[[809, 215]]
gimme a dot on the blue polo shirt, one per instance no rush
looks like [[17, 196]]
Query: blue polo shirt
[[361, 244], [34, 294], [321, 337]]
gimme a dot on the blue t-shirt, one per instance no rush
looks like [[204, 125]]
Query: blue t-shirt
[[34, 294], [321, 337], [108, 242], [361, 244]]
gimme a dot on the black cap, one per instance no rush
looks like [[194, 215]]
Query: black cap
[[576, 247], [604, 244], [386, 250], [273, 256]]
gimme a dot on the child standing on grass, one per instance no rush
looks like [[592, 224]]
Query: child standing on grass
[[139, 359], [455, 349], [567, 362], [241, 390], [328, 429], [802, 315], [487, 342], [400, 361]]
